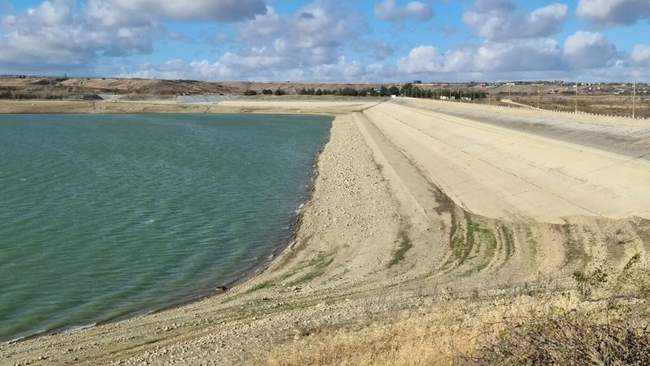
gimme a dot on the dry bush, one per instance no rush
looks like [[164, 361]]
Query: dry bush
[[569, 338], [587, 282], [634, 279]]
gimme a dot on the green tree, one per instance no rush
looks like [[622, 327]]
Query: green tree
[[407, 90]]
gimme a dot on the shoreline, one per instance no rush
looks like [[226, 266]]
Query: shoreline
[[235, 280], [282, 105], [279, 255], [380, 246]]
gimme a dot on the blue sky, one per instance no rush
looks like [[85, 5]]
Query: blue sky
[[328, 40]]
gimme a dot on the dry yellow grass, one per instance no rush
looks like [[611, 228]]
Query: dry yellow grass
[[411, 340], [534, 331], [544, 326]]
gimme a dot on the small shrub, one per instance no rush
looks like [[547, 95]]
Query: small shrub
[[588, 281], [634, 279], [404, 245]]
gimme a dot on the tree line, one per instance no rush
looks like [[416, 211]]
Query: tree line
[[413, 91], [406, 90], [351, 92]]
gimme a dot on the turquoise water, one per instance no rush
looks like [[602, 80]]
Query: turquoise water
[[102, 216]]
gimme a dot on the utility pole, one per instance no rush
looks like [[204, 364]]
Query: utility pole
[[539, 97], [634, 101], [510, 94], [576, 99]]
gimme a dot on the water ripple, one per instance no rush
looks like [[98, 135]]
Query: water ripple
[[106, 215]]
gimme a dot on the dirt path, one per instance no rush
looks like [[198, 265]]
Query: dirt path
[[501, 173], [619, 135]]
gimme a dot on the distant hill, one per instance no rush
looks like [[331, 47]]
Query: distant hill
[[15, 87]]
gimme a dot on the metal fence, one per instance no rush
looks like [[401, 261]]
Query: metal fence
[[630, 102], [201, 99]]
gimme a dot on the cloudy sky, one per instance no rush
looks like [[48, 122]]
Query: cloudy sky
[[328, 40]]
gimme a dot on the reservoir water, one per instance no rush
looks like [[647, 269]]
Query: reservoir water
[[103, 216]]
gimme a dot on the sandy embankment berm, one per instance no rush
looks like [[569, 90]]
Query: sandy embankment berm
[[429, 223]]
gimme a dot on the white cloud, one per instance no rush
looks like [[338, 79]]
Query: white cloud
[[389, 11], [460, 59], [51, 36], [586, 55], [589, 50], [500, 20], [519, 55], [111, 12], [422, 59], [321, 40], [614, 12], [339, 71], [512, 56], [179, 69], [344, 70], [547, 20], [640, 55], [49, 13], [380, 50], [314, 34], [308, 44], [256, 59]]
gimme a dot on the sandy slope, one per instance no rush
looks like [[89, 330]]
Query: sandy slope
[[623, 136], [390, 230], [501, 173], [245, 105]]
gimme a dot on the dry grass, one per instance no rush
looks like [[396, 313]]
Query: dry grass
[[571, 338], [490, 337], [610, 104], [553, 327], [444, 333], [410, 341]]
